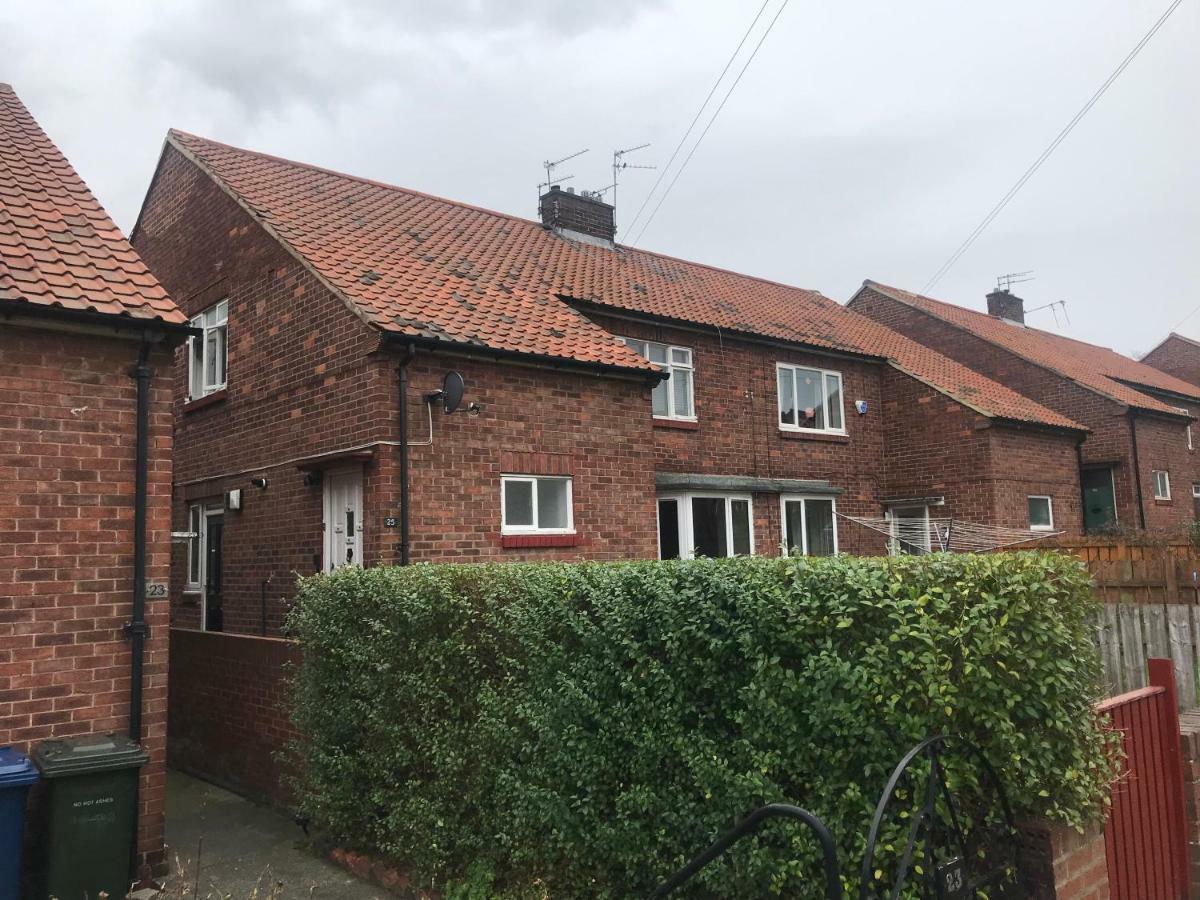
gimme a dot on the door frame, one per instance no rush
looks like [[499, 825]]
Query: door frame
[[327, 538], [208, 511], [1110, 468]]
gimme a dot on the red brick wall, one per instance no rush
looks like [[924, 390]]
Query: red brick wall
[[1162, 444], [67, 442], [986, 471], [1177, 357], [229, 721], [1110, 441], [1062, 864], [736, 399]]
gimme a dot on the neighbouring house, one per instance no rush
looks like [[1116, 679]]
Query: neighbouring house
[[86, 356], [326, 300], [1176, 355], [1137, 466], [618, 404]]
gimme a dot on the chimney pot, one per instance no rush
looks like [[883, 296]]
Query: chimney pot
[[1006, 305]]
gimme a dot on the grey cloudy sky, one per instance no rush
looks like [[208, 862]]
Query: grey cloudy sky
[[866, 140]]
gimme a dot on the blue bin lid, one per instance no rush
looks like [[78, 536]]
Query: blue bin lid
[[16, 769]]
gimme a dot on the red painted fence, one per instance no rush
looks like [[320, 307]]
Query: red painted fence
[[1145, 837]]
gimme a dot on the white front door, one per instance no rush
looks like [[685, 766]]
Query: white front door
[[343, 518]]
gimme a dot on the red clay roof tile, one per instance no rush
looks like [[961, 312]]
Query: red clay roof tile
[[421, 265], [58, 247], [1097, 368]]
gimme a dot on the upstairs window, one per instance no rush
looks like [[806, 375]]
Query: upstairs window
[[209, 353], [1162, 485], [673, 398], [1041, 513], [535, 505], [1184, 411], [810, 399]]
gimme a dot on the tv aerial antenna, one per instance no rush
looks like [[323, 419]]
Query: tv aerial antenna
[[619, 165], [1005, 282], [1054, 307], [550, 166]]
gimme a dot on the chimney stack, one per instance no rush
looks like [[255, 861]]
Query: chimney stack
[[1006, 305], [578, 216]]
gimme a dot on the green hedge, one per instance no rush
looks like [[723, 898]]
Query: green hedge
[[580, 730]]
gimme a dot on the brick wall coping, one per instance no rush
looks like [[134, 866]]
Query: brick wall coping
[[229, 635]]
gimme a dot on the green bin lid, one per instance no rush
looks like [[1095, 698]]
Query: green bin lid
[[92, 753]]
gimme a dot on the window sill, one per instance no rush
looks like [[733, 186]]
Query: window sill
[[833, 437], [676, 424], [1163, 501], [515, 541], [207, 400]]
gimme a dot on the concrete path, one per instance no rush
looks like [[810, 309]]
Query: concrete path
[[241, 846]]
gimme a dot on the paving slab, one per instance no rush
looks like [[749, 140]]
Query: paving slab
[[242, 850]]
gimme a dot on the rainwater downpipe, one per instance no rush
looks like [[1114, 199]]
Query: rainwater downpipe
[[137, 629], [1082, 489], [1137, 468], [402, 372]]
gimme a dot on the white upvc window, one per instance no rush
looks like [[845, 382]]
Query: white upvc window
[[675, 397], [809, 525], [1185, 412], [195, 544], [536, 504], [716, 525], [910, 528], [208, 354], [810, 399], [1162, 485], [1041, 513]]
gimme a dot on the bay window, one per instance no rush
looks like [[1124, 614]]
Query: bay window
[[716, 525], [809, 399]]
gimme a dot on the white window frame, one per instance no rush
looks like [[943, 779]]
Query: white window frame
[[215, 318], [1165, 492], [641, 347], [784, 500], [1184, 411], [505, 528], [687, 541], [792, 369], [894, 541], [1049, 508]]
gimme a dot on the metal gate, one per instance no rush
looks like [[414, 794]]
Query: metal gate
[[1145, 838]]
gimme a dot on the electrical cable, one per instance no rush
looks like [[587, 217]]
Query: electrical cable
[[716, 84], [700, 139], [1045, 154]]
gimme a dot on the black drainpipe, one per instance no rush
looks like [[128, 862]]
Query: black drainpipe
[[1137, 469], [402, 371], [1082, 491], [136, 630]]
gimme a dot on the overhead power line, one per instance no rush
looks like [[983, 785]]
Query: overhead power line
[[717, 113], [1045, 154], [716, 84]]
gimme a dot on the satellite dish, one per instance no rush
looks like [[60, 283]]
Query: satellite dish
[[452, 391]]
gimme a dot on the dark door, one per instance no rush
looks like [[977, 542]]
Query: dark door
[[214, 619], [1099, 502]]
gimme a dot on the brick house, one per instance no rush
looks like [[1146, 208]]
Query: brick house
[[618, 403], [84, 330], [1176, 355], [1138, 464]]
